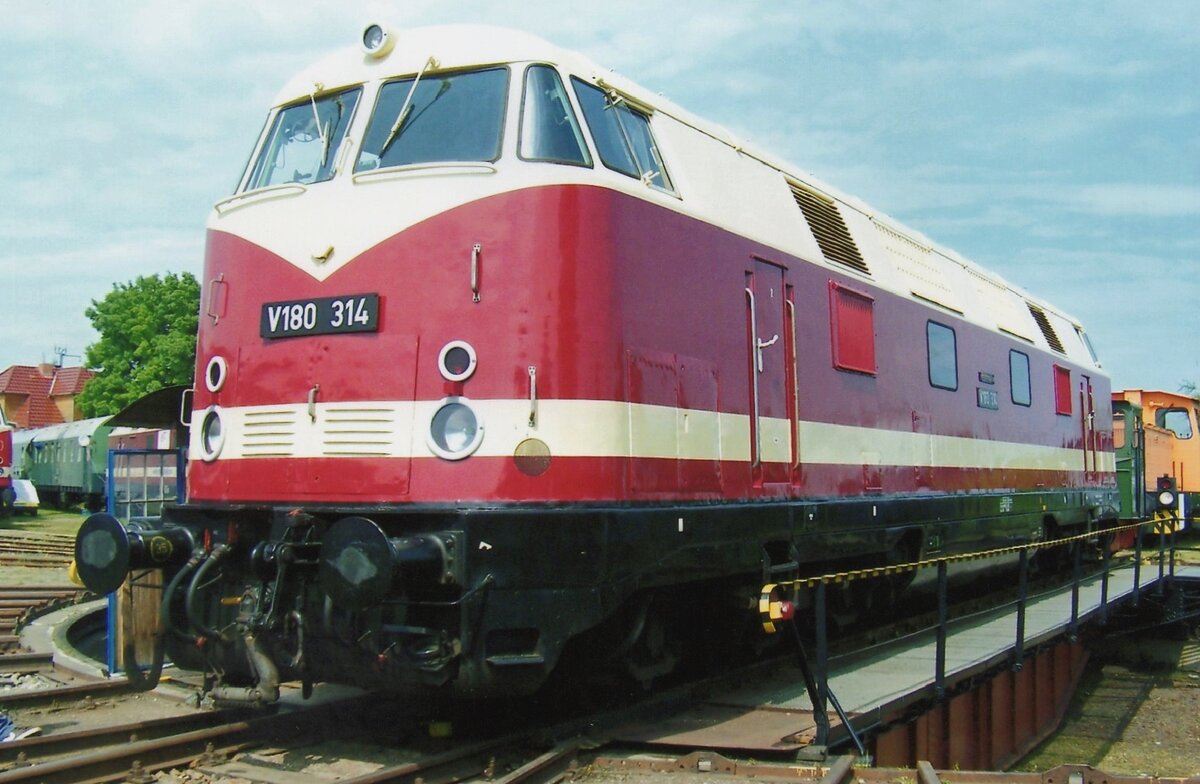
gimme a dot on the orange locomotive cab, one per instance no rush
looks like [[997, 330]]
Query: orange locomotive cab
[[1169, 434]]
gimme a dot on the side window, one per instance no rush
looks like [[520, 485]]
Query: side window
[[1176, 420], [549, 128], [852, 327], [943, 355], [1018, 375], [1062, 390], [622, 136]]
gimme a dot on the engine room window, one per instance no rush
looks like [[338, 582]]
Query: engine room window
[[437, 118], [303, 143], [1174, 419], [852, 326], [943, 355], [1018, 374], [1062, 390], [549, 128], [622, 136]]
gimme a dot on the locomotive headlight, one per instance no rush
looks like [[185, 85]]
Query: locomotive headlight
[[455, 431], [212, 434], [377, 41]]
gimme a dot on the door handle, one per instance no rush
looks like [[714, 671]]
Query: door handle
[[761, 346]]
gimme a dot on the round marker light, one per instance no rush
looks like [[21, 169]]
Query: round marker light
[[1166, 499], [212, 435], [457, 361], [215, 374], [455, 431], [377, 41]]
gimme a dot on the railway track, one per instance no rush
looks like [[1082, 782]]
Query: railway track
[[26, 548], [20, 604]]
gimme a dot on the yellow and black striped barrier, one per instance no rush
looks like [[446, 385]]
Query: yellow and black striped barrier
[[772, 609]]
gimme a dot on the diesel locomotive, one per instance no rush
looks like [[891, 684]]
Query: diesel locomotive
[[505, 360]]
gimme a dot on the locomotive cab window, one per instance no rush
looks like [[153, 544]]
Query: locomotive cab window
[[549, 128], [436, 118], [943, 355], [304, 139], [1018, 375], [1174, 419], [622, 136]]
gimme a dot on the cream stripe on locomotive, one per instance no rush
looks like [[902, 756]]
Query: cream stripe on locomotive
[[599, 428]]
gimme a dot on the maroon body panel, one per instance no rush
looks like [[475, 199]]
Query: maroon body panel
[[612, 298]]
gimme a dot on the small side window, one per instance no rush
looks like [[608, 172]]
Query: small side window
[[1018, 375], [622, 136], [943, 356], [1176, 420], [1062, 390], [549, 129]]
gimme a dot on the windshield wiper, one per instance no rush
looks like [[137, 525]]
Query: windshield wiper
[[406, 108], [312, 98], [327, 133]]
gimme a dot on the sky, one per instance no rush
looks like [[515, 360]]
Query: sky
[[1057, 143]]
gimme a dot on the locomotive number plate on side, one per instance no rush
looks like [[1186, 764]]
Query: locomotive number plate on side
[[323, 316]]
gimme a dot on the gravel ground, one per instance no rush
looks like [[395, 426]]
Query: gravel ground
[[1137, 710], [1133, 720]]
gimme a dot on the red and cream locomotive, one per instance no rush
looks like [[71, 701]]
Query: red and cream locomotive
[[503, 359]]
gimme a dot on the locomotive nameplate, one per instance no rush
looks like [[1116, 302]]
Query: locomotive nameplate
[[321, 316]]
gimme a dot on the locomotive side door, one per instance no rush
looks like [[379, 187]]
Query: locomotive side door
[[771, 347]]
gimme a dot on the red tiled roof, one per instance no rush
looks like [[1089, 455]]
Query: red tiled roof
[[41, 411], [35, 392], [23, 380], [69, 381]]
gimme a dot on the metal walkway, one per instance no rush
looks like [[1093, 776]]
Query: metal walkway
[[891, 683]]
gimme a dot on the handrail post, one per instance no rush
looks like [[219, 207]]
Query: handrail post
[[1076, 579], [1137, 565], [1162, 560], [1022, 599], [1107, 556], [943, 619], [820, 709]]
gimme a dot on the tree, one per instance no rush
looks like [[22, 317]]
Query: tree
[[147, 341], [1189, 388]]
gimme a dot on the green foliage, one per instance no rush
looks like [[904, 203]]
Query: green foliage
[[147, 341]]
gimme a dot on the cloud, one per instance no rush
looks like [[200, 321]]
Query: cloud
[[1059, 61], [1055, 142], [1137, 200]]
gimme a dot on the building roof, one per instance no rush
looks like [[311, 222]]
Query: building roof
[[29, 392], [69, 381]]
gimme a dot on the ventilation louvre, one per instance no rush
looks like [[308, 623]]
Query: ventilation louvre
[[1039, 316], [828, 227]]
